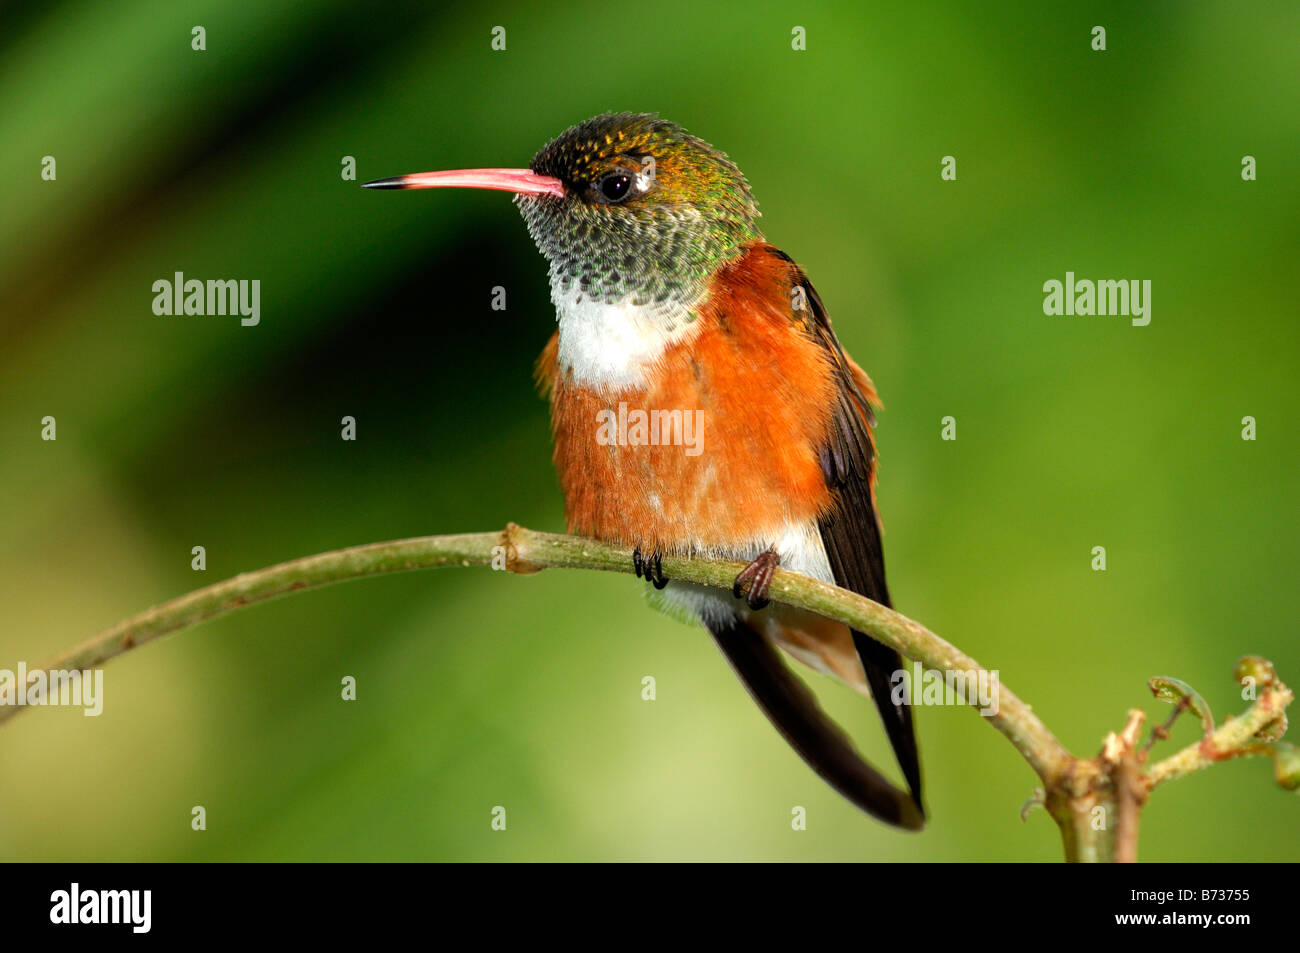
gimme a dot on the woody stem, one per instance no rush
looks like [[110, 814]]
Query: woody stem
[[522, 550]]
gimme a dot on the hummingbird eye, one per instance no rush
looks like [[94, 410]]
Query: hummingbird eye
[[614, 186]]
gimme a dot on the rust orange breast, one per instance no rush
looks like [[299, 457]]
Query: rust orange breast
[[719, 447]]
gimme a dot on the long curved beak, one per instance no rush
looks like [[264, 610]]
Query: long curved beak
[[523, 181]]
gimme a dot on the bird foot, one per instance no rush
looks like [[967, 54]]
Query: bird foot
[[759, 575], [649, 566]]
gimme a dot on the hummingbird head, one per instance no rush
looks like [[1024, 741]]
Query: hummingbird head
[[649, 210], [626, 207]]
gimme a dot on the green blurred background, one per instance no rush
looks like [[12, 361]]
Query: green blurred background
[[478, 689]]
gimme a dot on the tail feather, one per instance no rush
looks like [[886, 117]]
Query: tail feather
[[794, 712], [880, 662]]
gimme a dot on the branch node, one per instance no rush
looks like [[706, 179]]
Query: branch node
[[512, 542]]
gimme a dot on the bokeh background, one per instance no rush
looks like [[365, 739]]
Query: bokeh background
[[478, 689]]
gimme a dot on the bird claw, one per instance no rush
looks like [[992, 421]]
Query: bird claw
[[759, 575], [651, 567]]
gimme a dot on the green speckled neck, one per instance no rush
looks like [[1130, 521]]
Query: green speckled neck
[[657, 250]]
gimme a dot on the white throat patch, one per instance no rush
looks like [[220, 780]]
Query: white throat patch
[[615, 345]]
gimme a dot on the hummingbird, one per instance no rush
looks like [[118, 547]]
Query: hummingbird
[[670, 302]]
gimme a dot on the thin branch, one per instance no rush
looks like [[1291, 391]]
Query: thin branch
[[1235, 738], [1161, 732], [1130, 794], [521, 550]]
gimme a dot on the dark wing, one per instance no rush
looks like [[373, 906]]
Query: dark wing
[[851, 532]]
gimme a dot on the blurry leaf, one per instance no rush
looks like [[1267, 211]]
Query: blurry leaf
[[1286, 766], [1257, 668], [1176, 692]]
